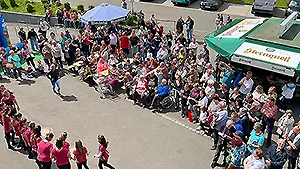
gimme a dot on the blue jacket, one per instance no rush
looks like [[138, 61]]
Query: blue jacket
[[278, 159], [163, 90]]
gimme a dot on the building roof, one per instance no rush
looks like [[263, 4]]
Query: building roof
[[268, 32]]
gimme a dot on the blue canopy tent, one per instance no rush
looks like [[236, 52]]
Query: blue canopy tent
[[104, 14]]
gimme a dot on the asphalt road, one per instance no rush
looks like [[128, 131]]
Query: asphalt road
[[139, 139]]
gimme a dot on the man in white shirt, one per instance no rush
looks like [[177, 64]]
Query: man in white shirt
[[194, 46], [207, 76], [246, 84], [210, 89], [286, 95]]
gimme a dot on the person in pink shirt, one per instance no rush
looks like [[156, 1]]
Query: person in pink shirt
[[35, 140], [61, 155], [80, 154], [64, 137], [44, 151], [8, 128], [101, 66], [103, 153], [17, 128], [24, 127], [28, 133]]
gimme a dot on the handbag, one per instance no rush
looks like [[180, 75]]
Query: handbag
[[9, 65], [282, 98]]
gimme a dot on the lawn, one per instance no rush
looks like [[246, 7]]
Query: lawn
[[38, 6], [280, 3]]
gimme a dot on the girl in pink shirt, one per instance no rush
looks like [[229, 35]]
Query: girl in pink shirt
[[64, 137], [8, 128], [35, 140], [44, 150], [28, 133], [103, 153], [80, 155], [17, 128], [61, 155]]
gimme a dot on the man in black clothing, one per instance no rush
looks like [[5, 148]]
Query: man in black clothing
[[22, 34], [32, 36], [224, 138], [53, 75], [179, 25], [190, 27], [276, 155]]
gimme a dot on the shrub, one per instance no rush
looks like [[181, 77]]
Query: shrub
[[45, 1], [58, 3], [30, 8], [67, 6], [91, 7], [13, 3], [28, 1], [73, 10], [3, 4], [80, 7], [131, 20]]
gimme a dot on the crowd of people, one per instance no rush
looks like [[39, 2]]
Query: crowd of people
[[151, 62], [24, 135]]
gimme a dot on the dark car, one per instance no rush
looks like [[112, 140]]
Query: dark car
[[211, 4], [294, 6], [183, 2]]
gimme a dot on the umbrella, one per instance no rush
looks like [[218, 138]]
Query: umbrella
[[104, 13]]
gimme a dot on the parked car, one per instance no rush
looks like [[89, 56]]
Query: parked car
[[263, 6], [211, 4], [184, 2], [294, 6]]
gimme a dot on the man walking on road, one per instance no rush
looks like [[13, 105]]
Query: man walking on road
[[53, 75]]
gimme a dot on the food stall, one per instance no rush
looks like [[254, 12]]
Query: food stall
[[255, 44]]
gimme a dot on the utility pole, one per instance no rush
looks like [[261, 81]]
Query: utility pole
[[132, 6]]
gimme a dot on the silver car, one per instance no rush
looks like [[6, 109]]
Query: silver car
[[263, 6]]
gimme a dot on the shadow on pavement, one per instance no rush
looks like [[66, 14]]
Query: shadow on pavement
[[69, 98], [4, 80], [27, 82]]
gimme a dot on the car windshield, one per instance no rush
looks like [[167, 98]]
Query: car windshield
[[295, 4]]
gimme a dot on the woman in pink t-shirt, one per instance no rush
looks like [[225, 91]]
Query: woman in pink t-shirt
[[28, 133], [80, 155], [8, 128], [35, 140], [44, 150], [64, 137], [61, 155], [103, 153]]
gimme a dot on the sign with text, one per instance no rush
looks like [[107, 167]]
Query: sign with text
[[268, 54], [263, 65], [241, 28]]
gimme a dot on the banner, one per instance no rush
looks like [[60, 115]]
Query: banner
[[241, 28], [4, 36]]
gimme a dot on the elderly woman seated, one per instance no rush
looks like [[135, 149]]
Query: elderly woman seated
[[141, 91], [161, 93]]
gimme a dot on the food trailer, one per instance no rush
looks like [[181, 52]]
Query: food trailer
[[267, 47]]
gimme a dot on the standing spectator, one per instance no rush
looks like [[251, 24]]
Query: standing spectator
[[219, 122], [228, 20], [287, 94], [228, 74], [47, 54], [269, 111], [48, 14], [293, 146], [246, 84], [179, 25], [124, 4], [134, 41], [53, 75], [60, 16], [204, 52], [16, 62], [256, 139], [124, 43], [56, 52], [28, 55], [22, 34], [44, 150], [286, 123], [190, 26], [238, 153], [276, 155], [32, 36], [255, 161]]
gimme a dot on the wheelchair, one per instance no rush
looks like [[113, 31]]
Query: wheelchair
[[167, 102]]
